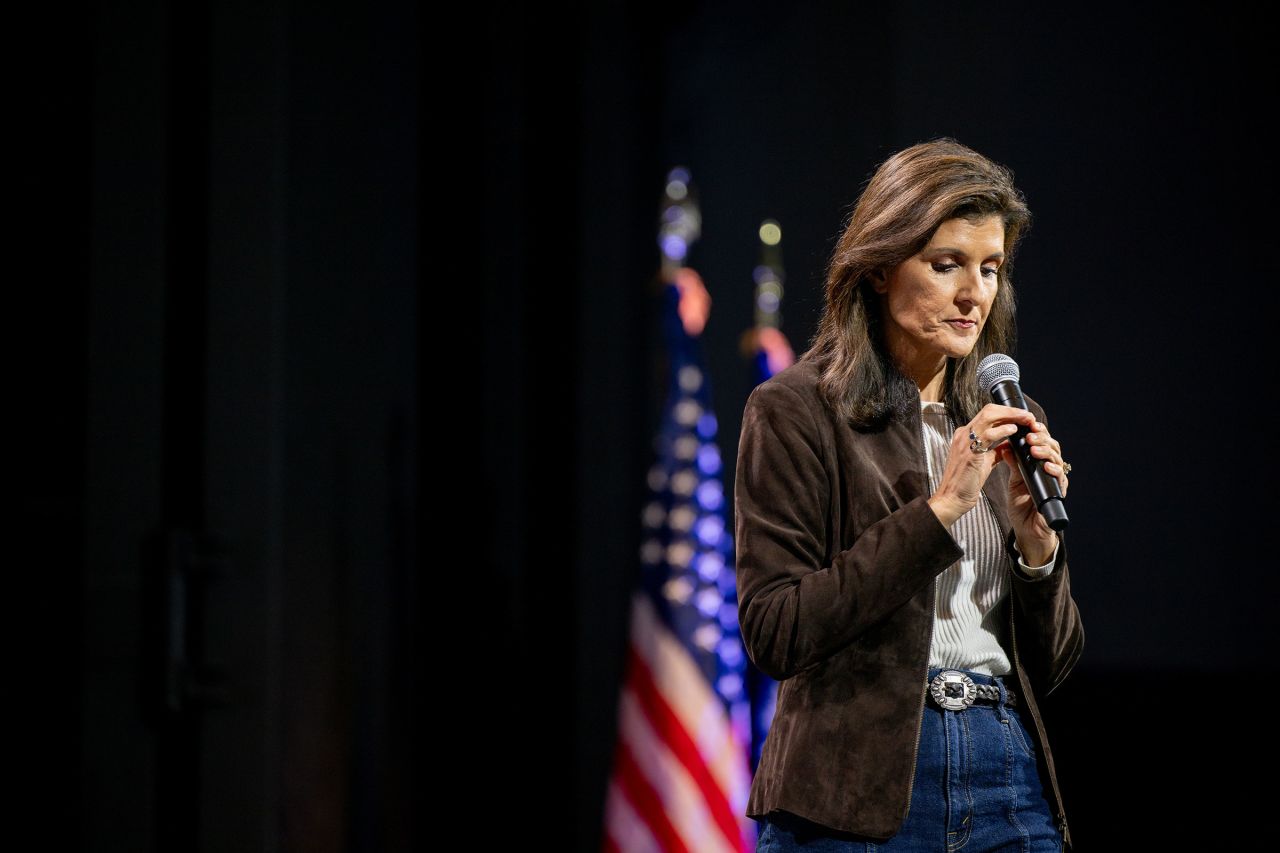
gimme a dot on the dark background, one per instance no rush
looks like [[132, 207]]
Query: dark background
[[337, 346]]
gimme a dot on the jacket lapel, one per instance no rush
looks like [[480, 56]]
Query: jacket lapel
[[997, 491]]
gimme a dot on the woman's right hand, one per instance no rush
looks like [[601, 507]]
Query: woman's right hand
[[967, 470]]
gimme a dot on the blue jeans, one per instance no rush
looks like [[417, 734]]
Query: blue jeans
[[977, 788]]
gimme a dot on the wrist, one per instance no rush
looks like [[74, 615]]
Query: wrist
[[1038, 552], [946, 509]]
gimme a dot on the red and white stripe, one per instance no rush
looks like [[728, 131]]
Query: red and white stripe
[[680, 776]]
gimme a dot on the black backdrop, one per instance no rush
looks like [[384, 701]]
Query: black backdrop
[[339, 327]]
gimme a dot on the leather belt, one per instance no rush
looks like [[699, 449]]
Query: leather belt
[[953, 690]]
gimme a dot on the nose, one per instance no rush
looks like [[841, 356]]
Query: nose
[[970, 287]]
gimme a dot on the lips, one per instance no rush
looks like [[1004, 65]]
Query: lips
[[959, 323]]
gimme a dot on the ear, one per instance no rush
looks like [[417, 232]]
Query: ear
[[879, 282]]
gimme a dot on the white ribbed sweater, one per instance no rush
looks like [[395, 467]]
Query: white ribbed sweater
[[969, 619]]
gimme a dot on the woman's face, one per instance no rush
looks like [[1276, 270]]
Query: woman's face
[[936, 302]]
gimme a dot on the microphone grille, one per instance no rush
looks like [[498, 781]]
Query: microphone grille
[[996, 368]]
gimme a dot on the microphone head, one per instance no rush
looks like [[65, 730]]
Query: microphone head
[[996, 367]]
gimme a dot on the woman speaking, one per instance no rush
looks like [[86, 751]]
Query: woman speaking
[[894, 573]]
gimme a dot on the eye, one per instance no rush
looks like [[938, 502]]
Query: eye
[[944, 267], [991, 271]]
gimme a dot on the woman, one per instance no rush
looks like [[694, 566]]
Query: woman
[[888, 549]]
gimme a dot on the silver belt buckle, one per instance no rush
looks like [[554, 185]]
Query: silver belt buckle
[[953, 690]]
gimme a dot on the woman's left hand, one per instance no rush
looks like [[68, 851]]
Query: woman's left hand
[[1036, 539]]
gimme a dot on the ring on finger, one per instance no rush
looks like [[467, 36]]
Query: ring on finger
[[976, 444]]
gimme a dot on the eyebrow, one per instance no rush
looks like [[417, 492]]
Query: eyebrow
[[951, 250]]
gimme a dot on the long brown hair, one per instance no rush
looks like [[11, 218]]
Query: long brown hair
[[909, 196]]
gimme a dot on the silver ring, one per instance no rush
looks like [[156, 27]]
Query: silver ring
[[976, 445]]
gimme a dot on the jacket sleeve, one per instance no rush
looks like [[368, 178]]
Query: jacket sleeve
[[795, 610], [1050, 634]]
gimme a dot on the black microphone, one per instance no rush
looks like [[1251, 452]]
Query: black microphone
[[998, 375]]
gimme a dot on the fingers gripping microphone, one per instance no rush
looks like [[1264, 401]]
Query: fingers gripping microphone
[[998, 375]]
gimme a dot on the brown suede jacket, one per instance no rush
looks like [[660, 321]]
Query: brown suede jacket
[[837, 551]]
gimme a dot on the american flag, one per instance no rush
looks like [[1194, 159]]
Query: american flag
[[772, 353], [681, 772]]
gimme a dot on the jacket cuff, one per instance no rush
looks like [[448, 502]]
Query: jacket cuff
[[1035, 573]]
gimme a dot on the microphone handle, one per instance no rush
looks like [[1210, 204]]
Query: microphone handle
[[1043, 487]]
